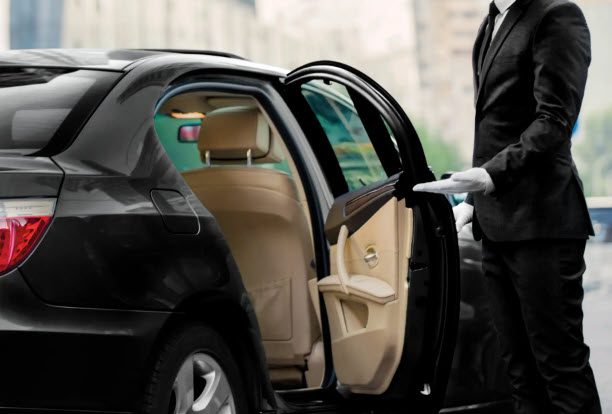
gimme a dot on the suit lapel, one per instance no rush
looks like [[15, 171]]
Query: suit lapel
[[475, 52], [514, 15]]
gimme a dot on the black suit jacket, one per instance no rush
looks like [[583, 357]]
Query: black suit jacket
[[528, 97]]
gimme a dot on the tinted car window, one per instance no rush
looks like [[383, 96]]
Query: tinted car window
[[37, 101], [346, 133]]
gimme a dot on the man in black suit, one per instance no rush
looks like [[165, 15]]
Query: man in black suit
[[531, 60]]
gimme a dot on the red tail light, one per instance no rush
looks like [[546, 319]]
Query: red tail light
[[22, 222]]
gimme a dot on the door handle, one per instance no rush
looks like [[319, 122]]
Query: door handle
[[371, 257]]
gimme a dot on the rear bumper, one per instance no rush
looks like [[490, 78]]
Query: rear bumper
[[69, 358]]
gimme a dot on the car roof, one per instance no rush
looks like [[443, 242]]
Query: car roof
[[124, 59], [599, 202]]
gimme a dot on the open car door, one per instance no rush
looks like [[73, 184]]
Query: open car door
[[392, 293]]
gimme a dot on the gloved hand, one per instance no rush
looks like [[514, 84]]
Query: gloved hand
[[474, 180], [464, 213]]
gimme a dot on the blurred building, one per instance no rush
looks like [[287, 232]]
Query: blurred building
[[35, 23], [598, 97], [379, 40], [226, 25], [288, 33], [4, 25], [446, 31], [420, 50]]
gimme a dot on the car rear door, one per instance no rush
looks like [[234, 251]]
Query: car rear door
[[392, 295]]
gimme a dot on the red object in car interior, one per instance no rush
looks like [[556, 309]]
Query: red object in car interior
[[189, 133]]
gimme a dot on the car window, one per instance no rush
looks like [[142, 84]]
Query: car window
[[37, 101], [347, 135]]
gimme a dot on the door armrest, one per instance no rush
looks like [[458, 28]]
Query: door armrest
[[362, 286]]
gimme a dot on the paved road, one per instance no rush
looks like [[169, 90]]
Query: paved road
[[598, 316]]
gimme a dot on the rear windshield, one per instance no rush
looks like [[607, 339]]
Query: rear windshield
[[36, 102]]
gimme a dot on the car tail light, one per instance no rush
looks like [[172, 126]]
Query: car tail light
[[22, 222]]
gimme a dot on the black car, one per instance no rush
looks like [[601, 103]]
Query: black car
[[192, 232]]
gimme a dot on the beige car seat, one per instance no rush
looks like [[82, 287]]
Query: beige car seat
[[268, 233]]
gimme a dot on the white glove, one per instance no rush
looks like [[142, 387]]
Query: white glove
[[464, 213], [474, 180]]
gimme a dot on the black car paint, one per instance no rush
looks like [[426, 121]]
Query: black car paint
[[107, 349], [104, 262], [478, 372], [176, 212], [27, 177], [107, 247]]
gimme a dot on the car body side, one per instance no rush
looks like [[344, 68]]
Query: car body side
[[110, 272]]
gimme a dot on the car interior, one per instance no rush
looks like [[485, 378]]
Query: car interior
[[249, 183], [245, 176]]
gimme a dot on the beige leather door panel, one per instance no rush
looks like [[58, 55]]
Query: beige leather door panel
[[366, 298]]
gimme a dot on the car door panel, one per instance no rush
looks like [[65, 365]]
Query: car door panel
[[366, 296], [392, 298]]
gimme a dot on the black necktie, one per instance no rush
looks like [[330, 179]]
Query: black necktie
[[484, 47]]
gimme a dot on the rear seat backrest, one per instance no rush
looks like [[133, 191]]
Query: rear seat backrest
[[264, 224]]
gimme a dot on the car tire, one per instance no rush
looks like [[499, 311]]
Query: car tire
[[195, 359]]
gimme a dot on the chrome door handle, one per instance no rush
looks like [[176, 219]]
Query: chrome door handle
[[371, 257]]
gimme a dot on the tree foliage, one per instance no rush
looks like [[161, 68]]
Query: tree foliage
[[441, 155]]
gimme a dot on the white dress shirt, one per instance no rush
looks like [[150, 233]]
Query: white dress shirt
[[503, 6]]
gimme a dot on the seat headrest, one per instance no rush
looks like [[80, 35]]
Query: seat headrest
[[228, 134]]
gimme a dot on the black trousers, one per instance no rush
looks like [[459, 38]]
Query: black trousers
[[535, 299]]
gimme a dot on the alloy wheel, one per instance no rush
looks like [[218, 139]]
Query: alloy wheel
[[201, 386]]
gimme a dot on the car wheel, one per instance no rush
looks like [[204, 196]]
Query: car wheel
[[195, 373]]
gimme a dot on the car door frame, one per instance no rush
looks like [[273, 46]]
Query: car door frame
[[434, 231], [319, 199]]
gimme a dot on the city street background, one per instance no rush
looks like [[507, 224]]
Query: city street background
[[420, 50]]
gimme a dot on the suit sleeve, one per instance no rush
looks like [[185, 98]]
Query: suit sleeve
[[470, 199], [561, 52]]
